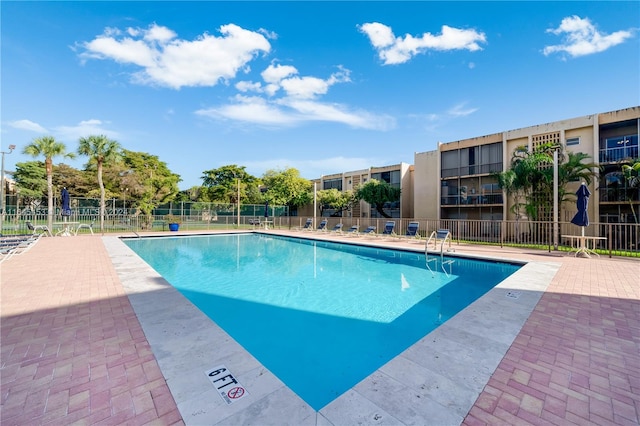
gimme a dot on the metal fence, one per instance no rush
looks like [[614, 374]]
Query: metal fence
[[618, 239]]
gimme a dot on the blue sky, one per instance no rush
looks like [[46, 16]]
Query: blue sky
[[324, 87]]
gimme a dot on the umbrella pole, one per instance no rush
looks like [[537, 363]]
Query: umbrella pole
[[583, 243]]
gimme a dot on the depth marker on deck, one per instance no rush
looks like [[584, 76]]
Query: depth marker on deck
[[228, 387]]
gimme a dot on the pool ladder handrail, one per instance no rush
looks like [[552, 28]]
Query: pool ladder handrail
[[442, 235]]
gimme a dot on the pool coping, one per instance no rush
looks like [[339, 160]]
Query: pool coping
[[435, 381]]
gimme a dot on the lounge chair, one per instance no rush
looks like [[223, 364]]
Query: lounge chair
[[323, 225], [307, 225], [412, 230], [389, 228], [337, 229], [16, 245], [35, 228], [371, 230], [353, 230], [84, 225]]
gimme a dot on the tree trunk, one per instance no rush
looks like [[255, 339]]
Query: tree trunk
[[382, 212], [102, 201], [49, 167]]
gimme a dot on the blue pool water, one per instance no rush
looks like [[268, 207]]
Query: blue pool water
[[321, 316]]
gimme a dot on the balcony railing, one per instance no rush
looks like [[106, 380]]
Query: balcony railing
[[478, 169], [471, 200], [619, 195], [613, 155]]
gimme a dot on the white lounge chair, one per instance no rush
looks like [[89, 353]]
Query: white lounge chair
[[35, 228], [84, 225]]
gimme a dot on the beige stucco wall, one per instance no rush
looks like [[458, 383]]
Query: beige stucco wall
[[619, 115], [471, 142], [426, 185]]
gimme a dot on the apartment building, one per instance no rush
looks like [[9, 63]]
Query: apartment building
[[456, 182], [398, 175]]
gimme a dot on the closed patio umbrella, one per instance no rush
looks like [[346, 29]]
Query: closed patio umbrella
[[582, 217], [66, 209]]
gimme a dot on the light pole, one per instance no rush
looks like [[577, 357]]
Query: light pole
[[124, 200], [2, 196], [238, 203]]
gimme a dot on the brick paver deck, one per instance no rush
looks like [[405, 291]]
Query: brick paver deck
[[73, 351], [577, 358]]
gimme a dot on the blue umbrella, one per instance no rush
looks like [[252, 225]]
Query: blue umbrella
[[582, 217], [66, 209], [266, 209]]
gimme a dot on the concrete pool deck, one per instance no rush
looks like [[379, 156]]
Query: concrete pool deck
[[91, 335]]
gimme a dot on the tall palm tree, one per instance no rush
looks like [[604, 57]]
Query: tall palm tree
[[631, 173], [510, 183], [48, 147], [100, 150], [574, 169]]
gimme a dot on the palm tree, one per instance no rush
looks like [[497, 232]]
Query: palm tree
[[100, 150], [48, 147], [574, 170], [510, 183], [631, 173]]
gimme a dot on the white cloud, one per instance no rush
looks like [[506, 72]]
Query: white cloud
[[398, 50], [251, 110], [433, 121], [27, 125], [298, 102], [171, 62], [305, 87], [248, 86], [274, 74], [84, 129], [291, 112], [581, 37], [460, 110]]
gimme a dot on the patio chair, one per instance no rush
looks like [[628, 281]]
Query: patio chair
[[323, 225], [352, 231], [16, 245], [371, 230], [35, 228], [84, 225], [337, 229], [307, 225], [389, 228], [412, 230]]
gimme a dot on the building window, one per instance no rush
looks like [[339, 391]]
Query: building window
[[483, 159], [619, 148], [332, 183], [573, 141], [392, 177]]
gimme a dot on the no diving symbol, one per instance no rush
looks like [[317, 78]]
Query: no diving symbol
[[228, 387], [235, 393]]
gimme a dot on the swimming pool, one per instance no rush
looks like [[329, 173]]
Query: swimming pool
[[320, 315]]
